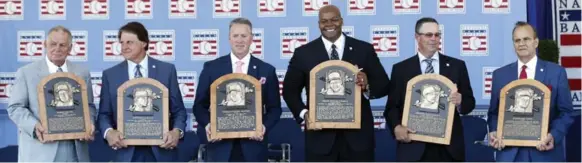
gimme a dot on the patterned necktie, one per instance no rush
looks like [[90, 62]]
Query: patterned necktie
[[59, 69], [239, 66], [137, 72], [429, 68], [523, 74], [334, 55]]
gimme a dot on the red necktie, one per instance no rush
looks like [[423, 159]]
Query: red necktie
[[523, 74]]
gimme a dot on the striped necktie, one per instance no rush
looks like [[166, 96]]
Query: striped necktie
[[429, 68]]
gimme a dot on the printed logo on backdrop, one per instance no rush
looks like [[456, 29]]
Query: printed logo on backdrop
[[451, 7], [496, 7], [441, 43], [487, 81], [385, 40], [187, 83], [227, 9], [182, 9], [111, 46], [379, 120], [96, 85], [192, 125], [474, 40], [361, 7], [95, 9], [30, 46], [348, 30], [79, 49], [161, 44], [567, 26], [311, 7], [258, 44], [204, 44], [139, 9], [405, 6], [52, 10], [272, 8], [12, 10], [292, 38], [281, 78], [6, 81]]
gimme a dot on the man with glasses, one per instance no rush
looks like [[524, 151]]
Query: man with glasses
[[332, 145], [428, 60]]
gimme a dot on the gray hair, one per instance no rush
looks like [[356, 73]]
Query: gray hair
[[241, 20], [60, 28]]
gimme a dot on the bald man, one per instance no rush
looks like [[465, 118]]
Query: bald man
[[331, 145]]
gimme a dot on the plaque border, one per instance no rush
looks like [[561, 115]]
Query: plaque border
[[258, 108], [121, 110], [313, 93], [42, 107], [545, 112], [450, 114]]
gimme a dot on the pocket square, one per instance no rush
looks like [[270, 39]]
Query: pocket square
[[263, 80], [549, 87]]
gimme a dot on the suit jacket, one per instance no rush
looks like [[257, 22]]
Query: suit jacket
[[452, 68], [356, 52], [23, 111], [552, 75], [253, 151], [114, 77]]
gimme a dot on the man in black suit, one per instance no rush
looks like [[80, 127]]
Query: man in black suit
[[428, 60], [331, 145]]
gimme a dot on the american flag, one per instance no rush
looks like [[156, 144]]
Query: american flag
[[487, 81], [567, 33]]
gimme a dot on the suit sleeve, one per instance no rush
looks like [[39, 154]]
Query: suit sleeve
[[464, 86], [293, 85], [378, 81], [18, 106], [202, 100], [393, 111], [105, 117], [177, 110], [559, 126], [493, 111], [273, 102]]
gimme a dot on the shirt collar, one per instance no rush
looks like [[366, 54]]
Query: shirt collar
[[339, 43], [530, 65], [53, 68], [245, 59], [143, 63], [435, 57]]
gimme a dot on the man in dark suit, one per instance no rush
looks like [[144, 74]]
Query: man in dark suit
[[239, 60], [529, 66], [428, 60], [336, 144], [134, 43]]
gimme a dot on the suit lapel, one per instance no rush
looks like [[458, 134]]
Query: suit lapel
[[348, 55], [415, 63], [252, 69], [42, 69], [444, 66], [321, 53], [152, 68], [228, 68], [122, 73], [540, 72], [513, 73]]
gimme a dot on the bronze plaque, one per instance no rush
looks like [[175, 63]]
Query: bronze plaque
[[427, 109], [236, 107], [524, 107], [334, 96], [142, 111], [64, 106]]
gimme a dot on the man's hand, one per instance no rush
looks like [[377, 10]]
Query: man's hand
[[362, 80], [546, 144], [401, 133], [171, 139], [307, 123], [259, 137], [495, 142], [40, 131], [89, 136], [115, 139], [208, 133], [456, 98]]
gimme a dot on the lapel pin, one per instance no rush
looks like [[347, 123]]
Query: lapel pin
[[447, 64], [350, 48], [153, 66], [254, 67], [542, 70]]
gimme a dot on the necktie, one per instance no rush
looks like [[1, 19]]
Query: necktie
[[429, 68], [334, 55], [59, 69], [137, 72], [523, 74], [239, 66]]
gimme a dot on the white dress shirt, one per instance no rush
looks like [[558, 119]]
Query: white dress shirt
[[424, 65], [52, 68], [246, 60], [531, 67], [131, 69], [340, 43]]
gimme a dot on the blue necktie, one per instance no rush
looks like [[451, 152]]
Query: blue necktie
[[429, 68], [137, 72]]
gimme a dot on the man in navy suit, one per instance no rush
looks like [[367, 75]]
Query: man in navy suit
[[134, 43], [331, 145], [239, 60], [428, 60], [529, 66]]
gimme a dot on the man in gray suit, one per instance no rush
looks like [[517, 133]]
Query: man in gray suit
[[23, 104]]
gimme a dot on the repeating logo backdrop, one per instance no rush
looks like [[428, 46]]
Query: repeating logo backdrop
[[188, 33]]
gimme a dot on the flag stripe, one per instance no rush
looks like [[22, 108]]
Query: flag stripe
[[575, 84], [570, 39], [571, 61]]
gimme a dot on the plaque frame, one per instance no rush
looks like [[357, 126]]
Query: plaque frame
[[356, 124], [258, 108], [545, 112], [43, 110], [450, 112], [121, 110]]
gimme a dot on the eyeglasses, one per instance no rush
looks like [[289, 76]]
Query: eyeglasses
[[429, 35]]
